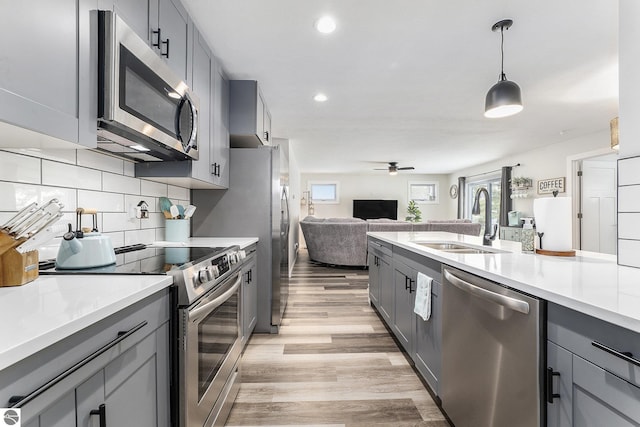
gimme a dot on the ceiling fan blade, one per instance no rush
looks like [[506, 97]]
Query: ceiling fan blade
[[380, 169], [406, 168]]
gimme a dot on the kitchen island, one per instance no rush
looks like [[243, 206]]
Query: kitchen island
[[587, 335]]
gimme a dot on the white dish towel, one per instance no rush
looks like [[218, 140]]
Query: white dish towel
[[422, 305]]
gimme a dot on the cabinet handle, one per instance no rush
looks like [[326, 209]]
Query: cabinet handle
[[158, 33], [166, 53], [624, 355], [550, 394], [266, 135], [102, 413], [408, 281], [19, 401]]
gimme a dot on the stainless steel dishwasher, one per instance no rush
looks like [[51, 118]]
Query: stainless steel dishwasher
[[491, 353]]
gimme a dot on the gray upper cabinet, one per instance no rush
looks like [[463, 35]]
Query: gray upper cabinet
[[220, 128], [163, 24], [249, 116], [171, 35], [211, 170], [47, 75]]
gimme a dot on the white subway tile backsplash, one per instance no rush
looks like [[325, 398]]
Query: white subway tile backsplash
[[629, 171], [15, 196], [88, 179], [103, 202], [62, 156], [118, 222], [139, 236], [19, 168], [96, 160], [629, 252], [63, 175], [120, 183], [150, 188], [129, 168], [175, 193]]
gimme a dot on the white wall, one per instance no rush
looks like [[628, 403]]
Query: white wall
[[542, 163], [378, 186], [88, 179]]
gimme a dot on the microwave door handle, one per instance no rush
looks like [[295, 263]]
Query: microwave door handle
[[205, 307]]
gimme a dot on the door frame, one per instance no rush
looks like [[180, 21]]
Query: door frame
[[574, 164]]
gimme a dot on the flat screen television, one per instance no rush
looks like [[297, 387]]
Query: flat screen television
[[371, 209]]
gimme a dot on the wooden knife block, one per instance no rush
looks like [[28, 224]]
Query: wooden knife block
[[17, 269]]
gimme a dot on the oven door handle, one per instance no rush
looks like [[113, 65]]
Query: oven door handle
[[206, 306]]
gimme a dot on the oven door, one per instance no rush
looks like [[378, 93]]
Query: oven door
[[141, 93], [210, 349]]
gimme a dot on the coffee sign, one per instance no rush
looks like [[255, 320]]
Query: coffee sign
[[548, 186]]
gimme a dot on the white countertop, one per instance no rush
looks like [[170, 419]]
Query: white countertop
[[223, 242], [590, 283], [38, 314]]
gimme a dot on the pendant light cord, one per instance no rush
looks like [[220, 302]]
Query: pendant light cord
[[502, 76]]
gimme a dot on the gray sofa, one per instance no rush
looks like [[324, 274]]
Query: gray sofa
[[343, 241]]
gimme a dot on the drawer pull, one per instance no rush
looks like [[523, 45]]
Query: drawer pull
[[550, 394], [20, 401], [626, 356]]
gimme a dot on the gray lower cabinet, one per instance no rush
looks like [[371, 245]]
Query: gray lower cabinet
[[378, 259], [593, 377], [47, 92], [420, 338], [117, 369], [249, 296], [393, 273]]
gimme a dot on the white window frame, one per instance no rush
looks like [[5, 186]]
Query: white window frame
[[422, 201], [335, 201]]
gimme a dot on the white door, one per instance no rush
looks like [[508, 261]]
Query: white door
[[598, 228]]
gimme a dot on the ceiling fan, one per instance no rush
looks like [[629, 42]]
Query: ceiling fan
[[393, 168]]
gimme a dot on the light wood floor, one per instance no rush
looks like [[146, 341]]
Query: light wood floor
[[333, 363]]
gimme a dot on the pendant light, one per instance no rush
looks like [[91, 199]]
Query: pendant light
[[504, 98]]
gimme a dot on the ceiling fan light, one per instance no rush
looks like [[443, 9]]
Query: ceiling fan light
[[393, 172], [503, 99]]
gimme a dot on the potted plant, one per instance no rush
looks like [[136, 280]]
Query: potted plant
[[414, 212]]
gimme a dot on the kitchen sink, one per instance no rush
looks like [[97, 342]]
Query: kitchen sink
[[459, 248]]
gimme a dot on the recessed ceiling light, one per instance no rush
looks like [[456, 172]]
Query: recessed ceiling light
[[320, 97], [325, 25]]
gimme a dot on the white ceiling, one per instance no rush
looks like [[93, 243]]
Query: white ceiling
[[406, 79]]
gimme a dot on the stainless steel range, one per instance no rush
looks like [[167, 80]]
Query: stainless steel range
[[206, 326]]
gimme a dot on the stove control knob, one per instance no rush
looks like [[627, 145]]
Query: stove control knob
[[233, 258], [242, 254], [204, 276]]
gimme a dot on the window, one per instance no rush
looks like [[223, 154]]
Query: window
[[324, 192], [493, 186], [424, 192]]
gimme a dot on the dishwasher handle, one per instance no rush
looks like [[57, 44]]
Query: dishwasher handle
[[503, 300]]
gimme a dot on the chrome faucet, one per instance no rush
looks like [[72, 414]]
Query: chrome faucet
[[487, 238]]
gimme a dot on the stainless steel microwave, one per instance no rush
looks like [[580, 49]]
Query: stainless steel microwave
[[145, 111]]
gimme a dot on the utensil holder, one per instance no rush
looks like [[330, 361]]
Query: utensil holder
[[177, 230], [17, 269]]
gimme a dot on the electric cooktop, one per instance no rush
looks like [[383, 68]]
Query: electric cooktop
[[142, 259]]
